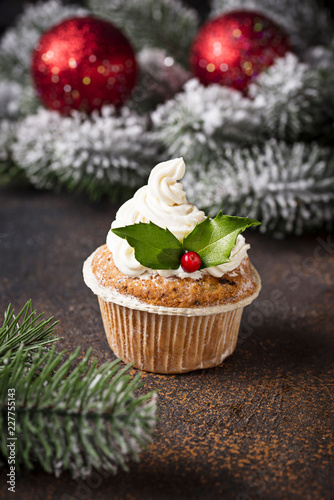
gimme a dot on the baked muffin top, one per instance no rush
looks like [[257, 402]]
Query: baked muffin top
[[174, 291]]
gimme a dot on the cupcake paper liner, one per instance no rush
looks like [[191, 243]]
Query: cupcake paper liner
[[162, 343]]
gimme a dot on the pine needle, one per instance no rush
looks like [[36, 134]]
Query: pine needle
[[26, 330], [289, 188], [70, 413], [167, 24]]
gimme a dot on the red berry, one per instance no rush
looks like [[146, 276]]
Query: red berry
[[190, 262]]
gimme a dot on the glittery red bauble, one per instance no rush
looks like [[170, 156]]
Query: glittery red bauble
[[83, 63], [235, 47]]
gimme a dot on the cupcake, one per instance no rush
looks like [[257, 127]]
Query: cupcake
[[171, 282]]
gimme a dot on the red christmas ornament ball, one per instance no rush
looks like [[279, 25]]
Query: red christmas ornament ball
[[83, 63], [235, 47]]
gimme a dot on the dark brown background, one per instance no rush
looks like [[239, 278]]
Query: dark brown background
[[258, 426]]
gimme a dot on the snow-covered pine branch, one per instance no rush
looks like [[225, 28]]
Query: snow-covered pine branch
[[18, 42], [289, 188], [295, 101], [212, 126], [165, 24], [102, 155], [195, 121], [71, 413], [306, 22]]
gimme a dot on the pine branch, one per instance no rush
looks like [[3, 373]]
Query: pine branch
[[295, 101], [112, 154], [18, 42], [7, 137], [289, 101], [106, 154], [70, 413], [26, 332], [200, 118], [16, 100], [165, 24], [160, 78], [321, 57], [307, 23], [290, 188]]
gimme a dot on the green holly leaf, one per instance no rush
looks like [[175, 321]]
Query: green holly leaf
[[155, 247], [213, 239]]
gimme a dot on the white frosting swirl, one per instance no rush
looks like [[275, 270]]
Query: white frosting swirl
[[164, 202]]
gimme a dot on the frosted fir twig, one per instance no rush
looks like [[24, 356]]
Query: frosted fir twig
[[165, 24], [7, 137], [160, 78], [18, 42], [293, 100], [290, 188], [191, 124], [73, 415], [112, 154], [106, 154], [16, 100], [306, 23], [26, 331], [70, 413]]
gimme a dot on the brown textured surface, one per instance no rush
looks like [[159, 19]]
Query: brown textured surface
[[174, 291], [258, 426]]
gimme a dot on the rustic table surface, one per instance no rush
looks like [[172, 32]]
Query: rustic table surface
[[258, 426]]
